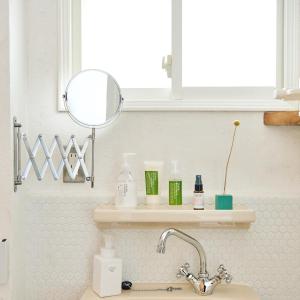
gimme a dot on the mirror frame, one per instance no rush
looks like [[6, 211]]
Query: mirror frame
[[107, 122]]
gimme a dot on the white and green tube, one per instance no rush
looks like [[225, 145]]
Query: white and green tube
[[153, 173]]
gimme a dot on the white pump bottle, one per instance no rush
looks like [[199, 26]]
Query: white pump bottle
[[126, 196], [107, 271]]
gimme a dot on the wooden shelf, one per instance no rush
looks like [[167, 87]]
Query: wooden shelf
[[222, 292], [174, 215], [282, 118]]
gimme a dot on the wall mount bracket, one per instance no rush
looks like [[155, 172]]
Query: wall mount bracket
[[17, 153]]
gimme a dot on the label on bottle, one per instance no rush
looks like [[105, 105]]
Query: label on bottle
[[126, 194], [198, 200], [175, 192], [122, 189], [151, 179]]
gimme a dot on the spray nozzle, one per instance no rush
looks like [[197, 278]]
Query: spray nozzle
[[108, 250], [126, 155], [198, 180], [198, 184]]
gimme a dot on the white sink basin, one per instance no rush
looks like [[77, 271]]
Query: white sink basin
[[222, 292]]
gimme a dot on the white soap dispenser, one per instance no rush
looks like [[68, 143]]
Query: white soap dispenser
[[107, 272], [126, 196]]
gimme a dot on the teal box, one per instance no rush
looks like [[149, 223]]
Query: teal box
[[223, 202]]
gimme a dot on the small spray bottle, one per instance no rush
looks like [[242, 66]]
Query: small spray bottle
[[198, 199]]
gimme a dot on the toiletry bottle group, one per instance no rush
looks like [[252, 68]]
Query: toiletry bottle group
[[126, 194]]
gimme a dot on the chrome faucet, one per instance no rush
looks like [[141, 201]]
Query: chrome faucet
[[202, 284]]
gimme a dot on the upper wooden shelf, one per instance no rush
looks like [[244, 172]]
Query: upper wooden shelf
[[174, 215], [282, 118]]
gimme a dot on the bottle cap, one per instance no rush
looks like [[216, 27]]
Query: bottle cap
[[108, 250], [198, 184], [174, 167]]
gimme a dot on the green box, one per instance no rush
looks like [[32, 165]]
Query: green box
[[223, 202]]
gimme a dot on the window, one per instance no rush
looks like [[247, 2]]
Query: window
[[229, 43], [214, 49], [126, 41]]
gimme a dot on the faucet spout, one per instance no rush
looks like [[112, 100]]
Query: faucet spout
[[202, 284], [161, 247]]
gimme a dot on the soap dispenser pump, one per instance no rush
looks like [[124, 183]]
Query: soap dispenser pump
[[107, 271], [126, 196]]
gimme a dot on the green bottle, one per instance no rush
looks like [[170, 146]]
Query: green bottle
[[175, 185]]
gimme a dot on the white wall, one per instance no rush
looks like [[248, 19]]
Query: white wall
[[18, 101], [5, 136], [57, 221], [18, 59], [13, 102]]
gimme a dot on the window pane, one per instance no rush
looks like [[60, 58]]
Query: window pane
[[127, 39], [229, 43]]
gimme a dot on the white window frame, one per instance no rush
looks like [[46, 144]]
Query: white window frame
[[66, 54], [191, 98], [291, 43]]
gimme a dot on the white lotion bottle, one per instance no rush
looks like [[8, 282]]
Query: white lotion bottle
[[126, 196], [107, 271]]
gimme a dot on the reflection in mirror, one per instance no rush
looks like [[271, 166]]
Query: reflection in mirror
[[93, 99]]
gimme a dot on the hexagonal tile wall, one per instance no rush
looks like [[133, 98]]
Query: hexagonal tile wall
[[57, 239]]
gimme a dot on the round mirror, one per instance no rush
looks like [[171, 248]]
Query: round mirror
[[93, 98]]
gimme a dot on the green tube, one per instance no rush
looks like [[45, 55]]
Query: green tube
[[152, 181]]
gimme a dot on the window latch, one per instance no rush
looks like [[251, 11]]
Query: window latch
[[167, 65]]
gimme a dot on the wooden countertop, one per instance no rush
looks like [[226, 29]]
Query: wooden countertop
[[222, 292]]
